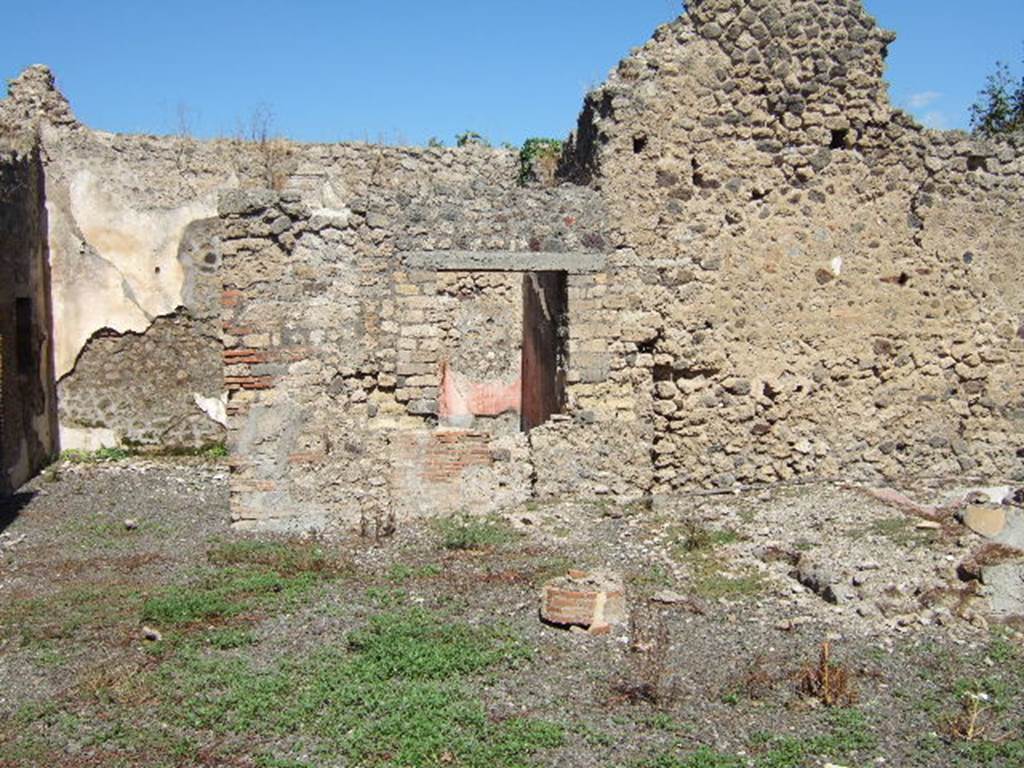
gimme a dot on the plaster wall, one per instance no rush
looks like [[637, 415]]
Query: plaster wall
[[28, 438]]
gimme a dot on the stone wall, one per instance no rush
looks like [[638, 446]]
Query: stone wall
[[27, 399], [831, 288], [373, 353], [763, 273]]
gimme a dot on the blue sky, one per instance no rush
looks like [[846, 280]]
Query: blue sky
[[404, 71]]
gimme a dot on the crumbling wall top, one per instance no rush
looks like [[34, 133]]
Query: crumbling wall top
[[33, 96]]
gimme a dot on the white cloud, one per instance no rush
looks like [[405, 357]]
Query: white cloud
[[935, 119], [923, 99]]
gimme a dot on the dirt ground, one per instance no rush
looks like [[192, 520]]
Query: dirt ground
[[799, 626]]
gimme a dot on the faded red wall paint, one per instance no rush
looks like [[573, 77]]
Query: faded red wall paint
[[543, 371], [462, 397]]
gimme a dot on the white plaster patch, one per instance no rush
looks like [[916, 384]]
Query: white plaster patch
[[137, 276], [216, 408], [87, 438]]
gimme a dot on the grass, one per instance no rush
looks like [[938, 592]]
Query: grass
[[396, 693], [286, 557], [712, 578], [702, 758], [901, 530], [101, 456], [70, 614], [403, 690], [653, 577], [976, 721], [227, 592], [693, 537], [401, 573], [102, 533], [848, 734], [466, 532]]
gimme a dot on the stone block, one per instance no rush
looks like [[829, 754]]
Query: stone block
[[984, 520], [595, 601]]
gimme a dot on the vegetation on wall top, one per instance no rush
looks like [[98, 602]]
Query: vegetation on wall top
[[999, 109]]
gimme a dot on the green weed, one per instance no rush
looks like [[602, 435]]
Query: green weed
[[901, 530], [702, 758], [538, 151], [471, 139], [394, 695], [67, 614], [401, 573], [467, 532], [287, 558], [101, 456]]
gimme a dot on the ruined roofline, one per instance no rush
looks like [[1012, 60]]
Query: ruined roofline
[[33, 98], [739, 29], [796, 66]]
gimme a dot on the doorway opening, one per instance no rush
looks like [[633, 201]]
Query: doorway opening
[[545, 347]]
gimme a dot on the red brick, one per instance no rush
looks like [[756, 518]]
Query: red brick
[[230, 297]]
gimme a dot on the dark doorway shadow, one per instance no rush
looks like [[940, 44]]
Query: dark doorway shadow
[[11, 507], [545, 340]]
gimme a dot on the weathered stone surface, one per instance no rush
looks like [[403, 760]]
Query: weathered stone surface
[[505, 261], [987, 521], [1004, 584], [594, 601], [818, 577]]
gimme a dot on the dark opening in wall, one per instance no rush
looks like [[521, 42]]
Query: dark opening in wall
[[977, 163], [23, 336], [545, 349], [639, 144], [839, 139]]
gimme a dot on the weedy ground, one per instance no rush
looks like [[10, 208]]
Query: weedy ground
[[176, 642]]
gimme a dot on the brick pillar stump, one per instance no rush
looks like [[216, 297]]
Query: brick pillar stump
[[594, 601]]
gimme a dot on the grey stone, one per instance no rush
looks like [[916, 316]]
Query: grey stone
[[241, 202], [1005, 587], [504, 261], [819, 578]]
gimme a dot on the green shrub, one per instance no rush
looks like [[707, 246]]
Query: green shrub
[[471, 139], [537, 152], [466, 532]]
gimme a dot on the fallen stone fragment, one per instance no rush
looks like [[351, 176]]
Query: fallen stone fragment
[[774, 553], [986, 521], [669, 597], [594, 601], [896, 499], [1004, 585], [1001, 524], [152, 635], [788, 625], [820, 579], [13, 541], [989, 494], [131, 524]]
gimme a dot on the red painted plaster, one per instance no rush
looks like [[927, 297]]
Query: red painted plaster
[[461, 396]]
